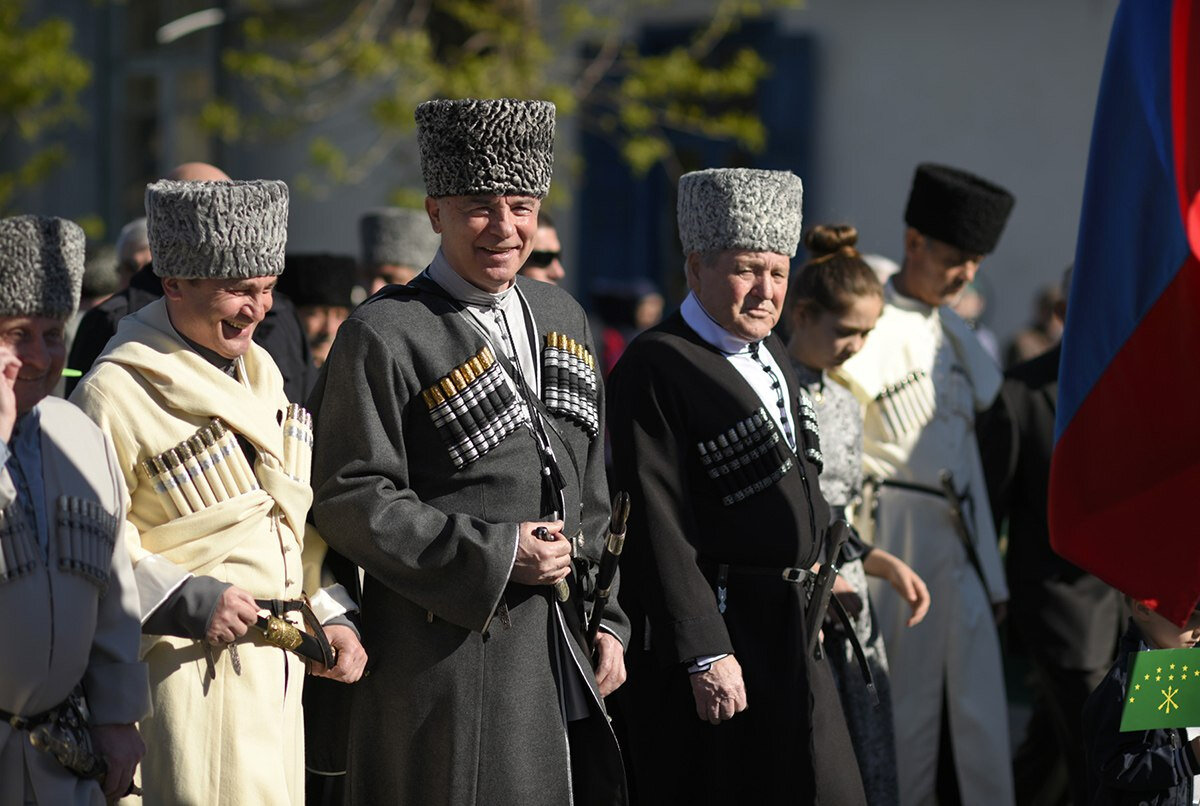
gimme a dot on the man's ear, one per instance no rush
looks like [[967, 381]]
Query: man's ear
[[913, 241], [434, 211], [691, 270], [171, 288]]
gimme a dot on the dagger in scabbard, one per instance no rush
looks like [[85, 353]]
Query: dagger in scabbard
[[613, 545]]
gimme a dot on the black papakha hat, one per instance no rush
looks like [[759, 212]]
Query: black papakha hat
[[318, 279], [957, 207]]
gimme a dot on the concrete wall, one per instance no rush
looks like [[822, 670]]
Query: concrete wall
[[1004, 89]]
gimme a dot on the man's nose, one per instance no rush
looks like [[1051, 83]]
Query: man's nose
[[969, 270], [502, 223], [556, 269]]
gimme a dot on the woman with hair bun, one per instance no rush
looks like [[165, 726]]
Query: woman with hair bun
[[836, 300]]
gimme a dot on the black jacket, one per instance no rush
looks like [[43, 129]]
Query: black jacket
[[1062, 613], [749, 502], [1143, 767], [279, 334]]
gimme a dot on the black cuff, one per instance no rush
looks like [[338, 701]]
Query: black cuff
[[187, 612], [855, 548]]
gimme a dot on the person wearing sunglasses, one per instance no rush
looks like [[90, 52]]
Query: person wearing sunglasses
[[545, 261]]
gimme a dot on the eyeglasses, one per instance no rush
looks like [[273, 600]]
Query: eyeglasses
[[540, 260]]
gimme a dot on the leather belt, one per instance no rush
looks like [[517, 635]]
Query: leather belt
[[19, 722]]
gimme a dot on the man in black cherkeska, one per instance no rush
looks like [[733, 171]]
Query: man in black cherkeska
[[724, 702]]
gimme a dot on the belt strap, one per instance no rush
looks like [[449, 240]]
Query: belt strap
[[913, 487], [19, 722], [280, 606], [794, 575], [856, 645]]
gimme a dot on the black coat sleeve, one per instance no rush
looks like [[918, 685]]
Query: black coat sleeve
[[661, 574]]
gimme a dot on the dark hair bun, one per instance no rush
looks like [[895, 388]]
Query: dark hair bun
[[829, 239]]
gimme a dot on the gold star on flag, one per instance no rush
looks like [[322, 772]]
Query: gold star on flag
[[1131, 699], [1137, 687], [1185, 668], [1170, 677], [1158, 670], [1172, 665], [1157, 678]]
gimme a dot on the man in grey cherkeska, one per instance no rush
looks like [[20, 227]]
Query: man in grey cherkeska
[[458, 417]]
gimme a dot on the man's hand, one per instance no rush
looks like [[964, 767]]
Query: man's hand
[[351, 657], [911, 587], [719, 692], [121, 747], [541, 562], [610, 663], [236, 611], [9, 365]]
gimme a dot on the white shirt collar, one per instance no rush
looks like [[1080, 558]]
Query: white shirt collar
[[707, 328], [442, 273]]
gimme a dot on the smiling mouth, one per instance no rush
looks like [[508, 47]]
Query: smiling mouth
[[235, 326]]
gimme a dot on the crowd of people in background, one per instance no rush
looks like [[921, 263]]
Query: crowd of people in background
[[322, 528]]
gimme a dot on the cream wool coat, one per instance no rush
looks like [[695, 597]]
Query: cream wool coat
[[954, 653], [61, 627], [235, 738]]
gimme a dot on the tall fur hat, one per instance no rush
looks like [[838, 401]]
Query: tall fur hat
[[41, 266], [957, 207], [312, 279], [232, 229], [740, 208], [393, 236], [503, 147]]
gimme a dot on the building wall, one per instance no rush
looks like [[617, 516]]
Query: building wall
[[1003, 89], [1006, 90]]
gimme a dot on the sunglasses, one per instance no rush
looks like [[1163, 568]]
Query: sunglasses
[[540, 260]]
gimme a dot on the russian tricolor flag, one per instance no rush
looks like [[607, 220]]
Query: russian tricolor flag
[[1125, 478]]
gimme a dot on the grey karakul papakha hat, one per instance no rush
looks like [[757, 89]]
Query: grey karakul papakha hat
[[393, 236], [217, 229], [496, 148], [41, 266], [740, 208]]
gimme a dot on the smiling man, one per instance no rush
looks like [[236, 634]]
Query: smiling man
[[66, 586], [724, 704], [921, 378], [459, 460], [216, 534]]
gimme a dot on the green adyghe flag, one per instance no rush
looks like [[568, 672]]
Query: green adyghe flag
[[1164, 690]]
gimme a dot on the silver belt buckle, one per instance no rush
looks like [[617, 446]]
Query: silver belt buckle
[[794, 575]]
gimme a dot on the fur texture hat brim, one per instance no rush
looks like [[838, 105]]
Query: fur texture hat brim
[[957, 207], [502, 147], [41, 266], [740, 208], [229, 229], [393, 236]]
